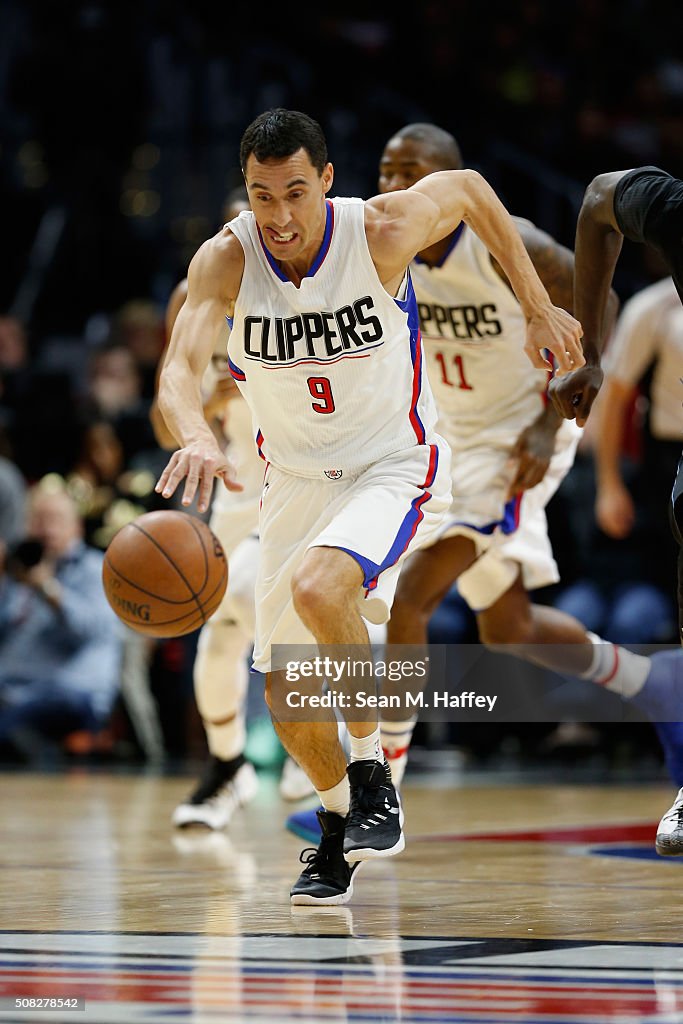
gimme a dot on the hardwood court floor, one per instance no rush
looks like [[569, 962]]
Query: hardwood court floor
[[530, 903]]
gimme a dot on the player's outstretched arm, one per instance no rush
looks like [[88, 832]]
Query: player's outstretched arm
[[465, 195], [213, 282], [598, 244]]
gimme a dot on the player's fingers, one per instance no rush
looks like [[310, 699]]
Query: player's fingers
[[562, 398], [175, 476], [164, 478], [582, 404], [229, 476], [520, 473], [536, 357], [563, 361], [190, 486], [570, 347], [531, 473], [575, 349], [532, 477], [230, 483], [205, 489], [193, 470]]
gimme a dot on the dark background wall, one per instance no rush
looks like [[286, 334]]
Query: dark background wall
[[121, 121]]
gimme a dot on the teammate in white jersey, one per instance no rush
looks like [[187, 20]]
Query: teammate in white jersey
[[325, 347], [649, 334], [510, 449]]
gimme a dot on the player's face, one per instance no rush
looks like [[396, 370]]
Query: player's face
[[287, 198], [403, 162]]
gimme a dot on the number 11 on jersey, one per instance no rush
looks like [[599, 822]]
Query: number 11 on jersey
[[321, 389], [461, 381]]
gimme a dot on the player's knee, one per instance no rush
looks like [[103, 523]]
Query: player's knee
[[315, 599]]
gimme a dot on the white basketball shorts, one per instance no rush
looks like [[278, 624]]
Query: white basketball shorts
[[509, 535], [378, 517]]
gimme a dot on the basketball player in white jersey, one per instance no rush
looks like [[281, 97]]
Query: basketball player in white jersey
[[220, 669], [510, 451], [325, 347]]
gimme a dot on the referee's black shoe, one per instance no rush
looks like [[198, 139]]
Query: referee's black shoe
[[327, 879], [374, 827]]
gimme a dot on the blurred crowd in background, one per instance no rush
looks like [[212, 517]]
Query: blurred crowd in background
[[121, 126]]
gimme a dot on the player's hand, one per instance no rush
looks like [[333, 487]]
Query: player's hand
[[614, 510], [532, 453], [574, 394], [198, 464], [554, 329]]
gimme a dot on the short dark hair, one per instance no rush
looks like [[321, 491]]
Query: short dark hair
[[443, 145], [279, 133]]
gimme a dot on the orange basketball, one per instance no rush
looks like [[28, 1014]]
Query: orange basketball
[[165, 573]]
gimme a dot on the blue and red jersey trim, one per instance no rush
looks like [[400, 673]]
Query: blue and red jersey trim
[[259, 442], [305, 361], [406, 531], [235, 371], [409, 307], [507, 524], [457, 235], [322, 251]]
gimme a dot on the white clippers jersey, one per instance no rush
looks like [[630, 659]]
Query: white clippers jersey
[[473, 331], [332, 370]]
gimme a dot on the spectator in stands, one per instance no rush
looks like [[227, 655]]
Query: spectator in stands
[[139, 327], [13, 369], [12, 497], [109, 491], [115, 393], [60, 643]]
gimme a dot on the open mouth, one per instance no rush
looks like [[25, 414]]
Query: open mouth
[[282, 238]]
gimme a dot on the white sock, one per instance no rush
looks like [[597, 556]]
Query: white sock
[[616, 668], [396, 737], [336, 799], [366, 748]]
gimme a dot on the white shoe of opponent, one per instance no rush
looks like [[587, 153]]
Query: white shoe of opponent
[[669, 842], [225, 786], [294, 782]]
